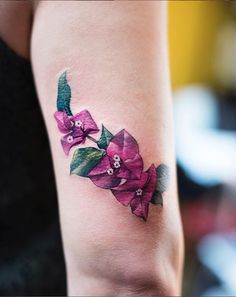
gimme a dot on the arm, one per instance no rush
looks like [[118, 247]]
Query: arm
[[116, 60]]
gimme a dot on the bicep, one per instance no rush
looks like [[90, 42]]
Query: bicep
[[115, 59]]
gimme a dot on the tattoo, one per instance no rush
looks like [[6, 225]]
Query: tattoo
[[115, 162]]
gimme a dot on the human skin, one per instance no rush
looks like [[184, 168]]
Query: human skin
[[116, 58], [15, 25]]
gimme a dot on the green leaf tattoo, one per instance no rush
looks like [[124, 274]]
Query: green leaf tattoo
[[84, 160], [63, 95], [163, 179], [157, 198], [105, 138]]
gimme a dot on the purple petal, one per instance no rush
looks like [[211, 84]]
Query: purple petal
[[140, 205], [133, 185], [77, 131], [139, 208], [150, 185], [123, 197], [135, 166], [89, 125], [105, 181], [67, 121], [100, 177], [67, 143], [101, 167], [124, 145], [123, 172], [63, 121]]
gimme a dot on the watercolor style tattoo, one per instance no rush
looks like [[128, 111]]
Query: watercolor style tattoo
[[115, 162]]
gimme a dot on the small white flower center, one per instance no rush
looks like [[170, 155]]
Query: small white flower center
[[139, 192], [110, 171], [70, 139], [117, 164], [78, 123], [116, 158]]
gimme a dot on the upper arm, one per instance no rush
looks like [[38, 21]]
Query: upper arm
[[115, 56]]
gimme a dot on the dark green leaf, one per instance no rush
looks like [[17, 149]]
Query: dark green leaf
[[63, 95], [157, 198], [105, 138], [163, 178], [84, 160]]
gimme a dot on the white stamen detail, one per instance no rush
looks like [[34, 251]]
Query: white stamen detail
[[110, 171], [123, 180], [139, 192], [116, 158], [78, 123], [117, 165], [69, 139]]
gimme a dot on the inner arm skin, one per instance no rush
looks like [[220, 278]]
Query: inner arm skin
[[115, 54]]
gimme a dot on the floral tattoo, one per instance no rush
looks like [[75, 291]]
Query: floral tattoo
[[115, 162]]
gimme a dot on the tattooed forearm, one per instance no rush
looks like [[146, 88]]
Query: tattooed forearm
[[115, 162]]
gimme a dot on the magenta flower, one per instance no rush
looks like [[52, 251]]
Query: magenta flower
[[120, 163], [76, 128], [138, 193]]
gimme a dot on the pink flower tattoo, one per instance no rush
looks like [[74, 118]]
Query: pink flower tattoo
[[76, 128], [138, 193], [115, 163], [120, 163]]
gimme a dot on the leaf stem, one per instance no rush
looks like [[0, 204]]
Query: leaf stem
[[91, 138]]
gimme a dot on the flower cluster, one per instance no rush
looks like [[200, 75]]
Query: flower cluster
[[121, 170], [121, 166], [115, 164]]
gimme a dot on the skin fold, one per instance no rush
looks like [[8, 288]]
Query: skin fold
[[116, 58]]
